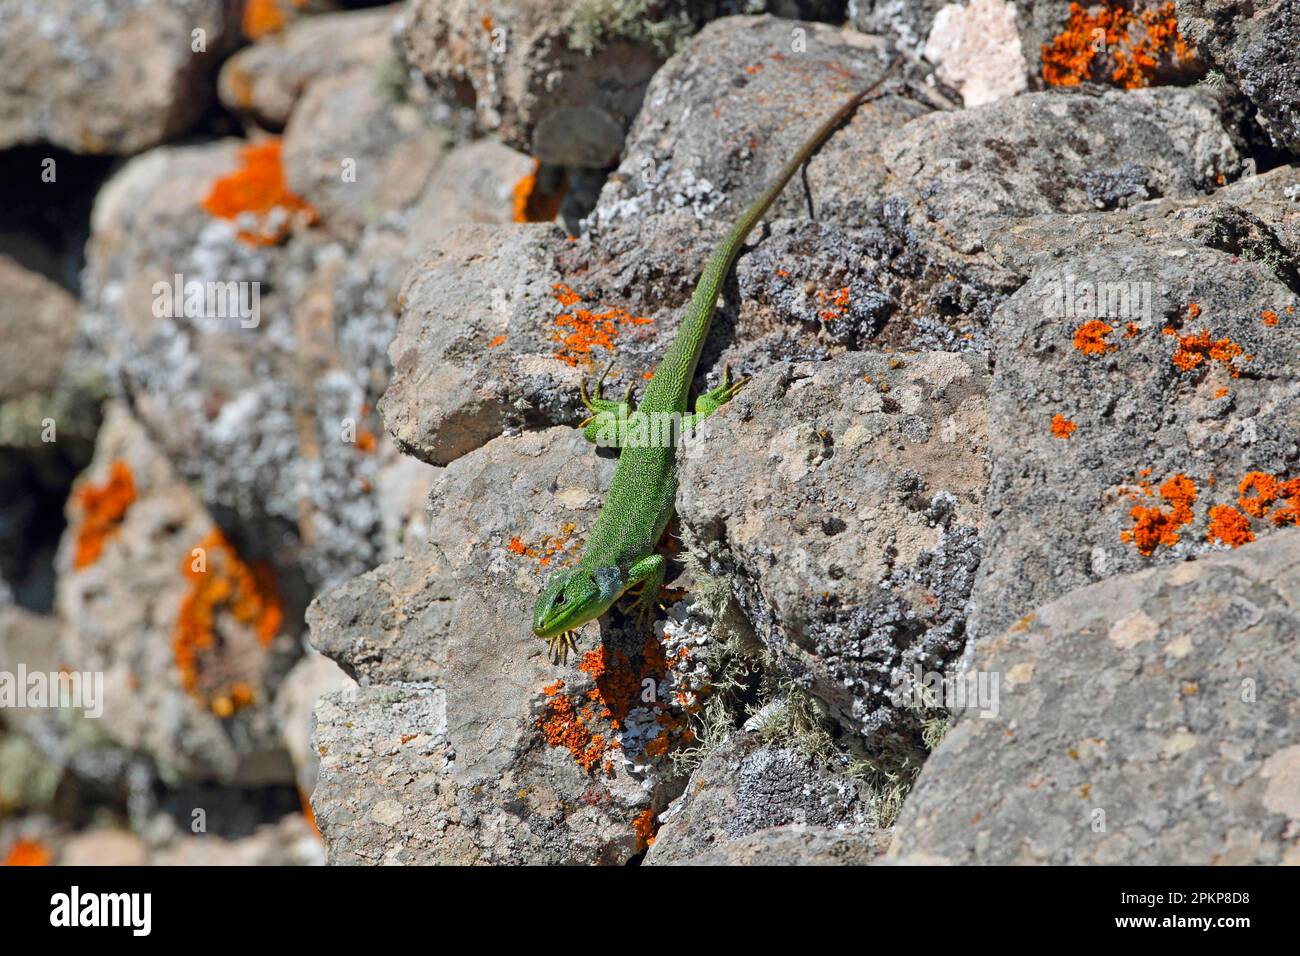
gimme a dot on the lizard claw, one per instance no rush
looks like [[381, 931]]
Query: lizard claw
[[561, 644]]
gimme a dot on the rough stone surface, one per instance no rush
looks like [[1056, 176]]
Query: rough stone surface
[[120, 612], [745, 786], [78, 78], [1255, 46], [257, 417], [844, 500], [562, 81], [795, 845], [1148, 719], [1059, 506], [43, 316], [354, 155], [438, 758], [266, 80], [976, 49]]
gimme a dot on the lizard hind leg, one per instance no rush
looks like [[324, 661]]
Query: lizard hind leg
[[607, 423], [709, 402]]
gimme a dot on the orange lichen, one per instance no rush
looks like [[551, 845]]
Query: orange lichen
[[257, 196], [1062, 427], [1090, 338], [1197, 348], [1257, 492], [579, 331], [103, 508], [266, 16], [562, 726], [587, 724], [645, 826], [499, 340], [1290, 512], [1220, 392], [1131, 330], [1135, 44], [835, 303], [1153, 527], [550, 547], [1229, 526], [227, 588], [27, 852], [1269, 317], [534, 204]]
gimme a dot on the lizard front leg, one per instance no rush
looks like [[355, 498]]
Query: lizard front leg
[[647, 576]]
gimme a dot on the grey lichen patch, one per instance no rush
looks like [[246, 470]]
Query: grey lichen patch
[[594, 24]]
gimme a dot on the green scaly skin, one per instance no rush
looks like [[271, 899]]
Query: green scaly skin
[[620, 552]]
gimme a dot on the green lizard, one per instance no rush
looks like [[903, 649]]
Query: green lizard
[[620, 552]]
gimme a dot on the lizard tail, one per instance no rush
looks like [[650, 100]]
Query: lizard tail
[[745, 224], [672, 378]]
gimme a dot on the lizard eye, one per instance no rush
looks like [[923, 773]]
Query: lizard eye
[[560, 598]]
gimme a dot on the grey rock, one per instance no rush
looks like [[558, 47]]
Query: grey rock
[[744, 787], [105, 76], [266, 80], [844, 500], [44, 317], [1254, 45], [1058, 507], [354, 155], [122, 608], [1142, 720], [796, 845], [439, 756]]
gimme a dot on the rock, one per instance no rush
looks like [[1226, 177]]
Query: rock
[[47, 426], [907, 23], [744, 787], [1254, 46], [1143, 46], [451, 386], [966, 183], [796, 845], [288, 842], [313, 676], [353, 155], [562, 82], [1146, 719], [263, 407], [461, 745], [104, 847], [844, 502], [533, 83], [190, 658], [1064, 500], [43, 316], [267, 79], [977, 50], [107, 77], [475, 183]]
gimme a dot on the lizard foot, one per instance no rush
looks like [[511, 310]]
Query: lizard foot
[[561, 644]]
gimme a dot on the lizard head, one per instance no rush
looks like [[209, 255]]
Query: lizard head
[[572, 597]]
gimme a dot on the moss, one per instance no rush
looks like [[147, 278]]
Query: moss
[[595, 24]]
